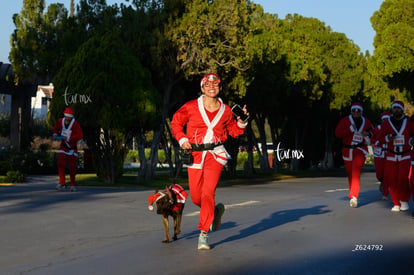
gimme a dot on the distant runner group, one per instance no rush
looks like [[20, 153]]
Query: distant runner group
[[392, 143]]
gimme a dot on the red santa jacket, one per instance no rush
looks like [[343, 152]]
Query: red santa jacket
[[379, 147], [73, 133], [200, 130], [180, 194], [352, 138], [399, 147]]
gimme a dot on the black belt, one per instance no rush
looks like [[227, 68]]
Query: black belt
[[354, 146], [205, 147], [399, 153]]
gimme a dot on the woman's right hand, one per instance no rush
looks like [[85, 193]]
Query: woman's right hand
[[186, 145]]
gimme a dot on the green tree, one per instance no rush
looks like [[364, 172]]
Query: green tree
[[35, 47], [393, 58], [326, 74], [143, 29], [266, 94], [212, 36], [302, 72], [117, 97]]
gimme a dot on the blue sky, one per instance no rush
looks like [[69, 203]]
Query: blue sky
[[351, 17]]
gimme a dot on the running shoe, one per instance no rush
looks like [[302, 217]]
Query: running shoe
[[203, 241], [218, 212]]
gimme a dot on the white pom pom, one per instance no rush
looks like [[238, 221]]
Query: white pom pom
[[151, 208]]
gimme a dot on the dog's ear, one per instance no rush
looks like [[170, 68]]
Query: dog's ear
[[156, 191], [168, 191], [170, 195]]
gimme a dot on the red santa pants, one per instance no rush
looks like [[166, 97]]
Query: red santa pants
[[396, 174], [379, 171], [411, 177], [61, 163], [353, 170], [203, 183]]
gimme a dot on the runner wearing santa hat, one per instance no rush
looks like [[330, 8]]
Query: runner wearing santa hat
[[379, 157], [208, 122], [355, 132], [397, 132], [69, 132], [411, 173]]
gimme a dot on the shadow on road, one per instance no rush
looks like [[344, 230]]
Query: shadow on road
[[367, 197], [41, 196], [276, 219]]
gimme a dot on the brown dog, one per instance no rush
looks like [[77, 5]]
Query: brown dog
[[170, 202]]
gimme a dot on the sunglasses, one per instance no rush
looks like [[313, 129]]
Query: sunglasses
[[356, 110], [211, 83]]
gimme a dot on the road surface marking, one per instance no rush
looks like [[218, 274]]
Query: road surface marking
[[226, 206], [337, 190]]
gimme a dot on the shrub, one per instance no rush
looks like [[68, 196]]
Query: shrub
[[132, 156], [28, 162], [242, 159], [4, 167], [4, 142], [41, 129], [4, 125], [14, 176], [161, 156]]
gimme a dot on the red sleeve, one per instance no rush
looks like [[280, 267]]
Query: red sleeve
[[343, 129], [58, 127], [375, 134], [77, 133], [180, 119], [369, 127], [384, 131], [411, 127]]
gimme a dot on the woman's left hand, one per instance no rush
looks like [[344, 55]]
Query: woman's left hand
[[246, 113]]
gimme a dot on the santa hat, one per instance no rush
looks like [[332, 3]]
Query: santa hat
[[385, 115], [397, 104], [358, 106], [209, 77], [153, 199], [69, 112]]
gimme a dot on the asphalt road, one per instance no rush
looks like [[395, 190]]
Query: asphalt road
[[298, 226]]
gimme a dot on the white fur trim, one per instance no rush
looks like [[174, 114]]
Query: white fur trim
[[69, 153], [410, 141], [357, 107], [404, 124], [397, 105], [182, 141], [161, 196]]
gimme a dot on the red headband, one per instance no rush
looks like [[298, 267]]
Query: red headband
[[209, 77]]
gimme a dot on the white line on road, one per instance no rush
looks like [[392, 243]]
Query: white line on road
[[336, 190], [226, 206]]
